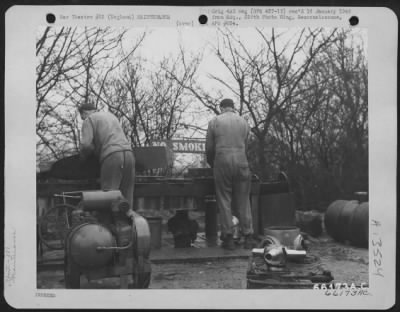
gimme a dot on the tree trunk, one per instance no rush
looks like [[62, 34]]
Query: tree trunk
[[262, 161]]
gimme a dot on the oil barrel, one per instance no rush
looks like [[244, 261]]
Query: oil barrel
[[277, 210], [342, 230], [359, 229], [347, 220], [332, 216]]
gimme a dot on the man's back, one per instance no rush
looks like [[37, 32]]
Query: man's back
[[230, 131], [226, 144], [227, 139], [108, 136]]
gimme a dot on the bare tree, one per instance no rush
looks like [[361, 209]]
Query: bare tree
[[345, 151], [265, 81], [322, 137], [305, 96], [73, 64], [148, 99], [54, 50]]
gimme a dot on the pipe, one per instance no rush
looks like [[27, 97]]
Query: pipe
[[277, 255], [294, 253], [258, 251], [100, 200], [117, 248]]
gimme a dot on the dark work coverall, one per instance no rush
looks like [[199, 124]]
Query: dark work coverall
[[102, 135], [226, 144]]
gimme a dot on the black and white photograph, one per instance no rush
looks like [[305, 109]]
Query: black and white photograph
[[203, 156]]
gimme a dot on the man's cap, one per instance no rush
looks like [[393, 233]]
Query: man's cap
[[87, 106], [227, 103]]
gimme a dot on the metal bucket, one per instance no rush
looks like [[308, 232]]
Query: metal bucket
[[285, 234]]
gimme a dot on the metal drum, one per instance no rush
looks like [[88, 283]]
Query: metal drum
[[359, 230], [332, 215], [342, 229], [347, 220], [83, 243]]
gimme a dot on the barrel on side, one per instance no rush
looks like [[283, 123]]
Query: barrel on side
[[359, 228], [347, 220]]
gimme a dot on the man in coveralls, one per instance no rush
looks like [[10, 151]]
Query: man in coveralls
[[226, 145], [102, 135]]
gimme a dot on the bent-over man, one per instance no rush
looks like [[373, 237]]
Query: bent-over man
[[226, 145], [102, 135]]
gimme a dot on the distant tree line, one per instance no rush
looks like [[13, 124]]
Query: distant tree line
[[305, 96]]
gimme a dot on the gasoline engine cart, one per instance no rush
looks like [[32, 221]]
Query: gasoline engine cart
[[101, 237]]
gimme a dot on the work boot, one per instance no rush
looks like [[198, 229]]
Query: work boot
[[249, 242], [227, 242]]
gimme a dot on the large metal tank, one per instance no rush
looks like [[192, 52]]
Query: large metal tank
[[347, 220], [83, 242]]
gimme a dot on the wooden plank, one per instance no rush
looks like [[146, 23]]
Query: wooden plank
[[182, 187]]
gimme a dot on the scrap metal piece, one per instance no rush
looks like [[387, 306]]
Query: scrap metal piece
[[269, 240], [278, 255], [294, 255], [298, 243], [236, 228], [275, 256]]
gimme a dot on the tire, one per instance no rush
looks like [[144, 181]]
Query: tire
[[144, 280], [142, 276], [61, 212]]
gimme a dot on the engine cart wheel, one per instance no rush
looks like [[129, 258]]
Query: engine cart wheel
[[144, 280], [141, 252], [141, 278], [54, 225]]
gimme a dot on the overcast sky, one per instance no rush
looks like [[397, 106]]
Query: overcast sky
[[164, 42]]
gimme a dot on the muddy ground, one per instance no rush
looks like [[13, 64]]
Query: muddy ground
[[347, 264]]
